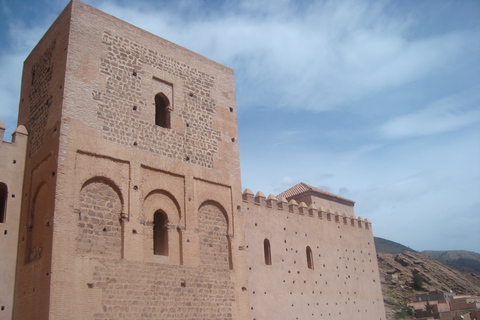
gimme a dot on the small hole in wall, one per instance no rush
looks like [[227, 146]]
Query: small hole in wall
[[5, 232], [134, 73], [134, 108], [190, 94], [233, 139], [183, 284], [14, 161], [135, 187], [53, 173], [188, 125], [244, 288], [13, 196], [90, 285], [134, 231], [104, 229], [135, 143], [3, 308], [187, 158], [61, 87], [231, 109]]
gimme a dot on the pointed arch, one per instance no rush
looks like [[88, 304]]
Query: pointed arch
[[160, 233], [309, 258], [163, 213], [267, 252], [162, 110]]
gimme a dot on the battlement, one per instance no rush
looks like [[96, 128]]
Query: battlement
[[18, 136], [282, 206]]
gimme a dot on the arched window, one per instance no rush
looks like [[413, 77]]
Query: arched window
[[162, 111], [160, 234], [267, 253], [3, 202], [309, 258]]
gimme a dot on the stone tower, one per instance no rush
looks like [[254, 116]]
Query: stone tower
[[132, 178]]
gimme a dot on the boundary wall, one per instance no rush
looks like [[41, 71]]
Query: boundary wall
[[322, 265], [12, 165]]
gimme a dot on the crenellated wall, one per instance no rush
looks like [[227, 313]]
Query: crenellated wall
[[12, 165], [305, 263], [132, 206]]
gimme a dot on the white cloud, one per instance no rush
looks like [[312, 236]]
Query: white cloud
[[448, 114], [337, 52]]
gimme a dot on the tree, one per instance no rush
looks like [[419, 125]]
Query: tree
[[417, 281]]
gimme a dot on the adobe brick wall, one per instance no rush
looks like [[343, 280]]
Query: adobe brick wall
[[12, 164], [344, 282], [99, 168]]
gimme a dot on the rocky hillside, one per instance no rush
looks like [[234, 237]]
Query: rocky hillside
[[435, 275]]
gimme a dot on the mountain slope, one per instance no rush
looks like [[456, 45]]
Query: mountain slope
[[436, 276], [388, 246], [466, 261]]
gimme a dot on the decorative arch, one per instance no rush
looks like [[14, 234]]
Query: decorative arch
[[215, 246], [107, 181], [160, 197], [100, 225], [163, 214], [36, 226], [3, 202], [162, 110]]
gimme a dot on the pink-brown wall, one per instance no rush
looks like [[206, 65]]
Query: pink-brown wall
[[343, 280], [12, 164]]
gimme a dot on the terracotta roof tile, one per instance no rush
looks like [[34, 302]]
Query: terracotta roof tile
[[303, 188]]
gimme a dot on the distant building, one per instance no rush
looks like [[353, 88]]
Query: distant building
[[446, 306], [434, 296]]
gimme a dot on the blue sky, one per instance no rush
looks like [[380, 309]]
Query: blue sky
[[377, 101]]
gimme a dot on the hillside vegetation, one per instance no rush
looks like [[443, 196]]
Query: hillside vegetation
[[466, 261], [387, 246]]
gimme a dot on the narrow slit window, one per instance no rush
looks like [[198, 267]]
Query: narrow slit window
[[309, 258], [267, 252], [162, 111], [3, 202], [160, 234]]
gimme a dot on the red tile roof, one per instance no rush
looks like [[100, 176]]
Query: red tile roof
[[302, 187]]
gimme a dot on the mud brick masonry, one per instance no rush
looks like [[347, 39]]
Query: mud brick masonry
[[120, 195]]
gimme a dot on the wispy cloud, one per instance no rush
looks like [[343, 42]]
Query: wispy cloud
[[375, 100], [337, 53], [448, 114]]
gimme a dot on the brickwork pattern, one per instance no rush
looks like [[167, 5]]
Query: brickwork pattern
[[120, 106], [138, 290], [39, 99], [99, 229], [214, 250]]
